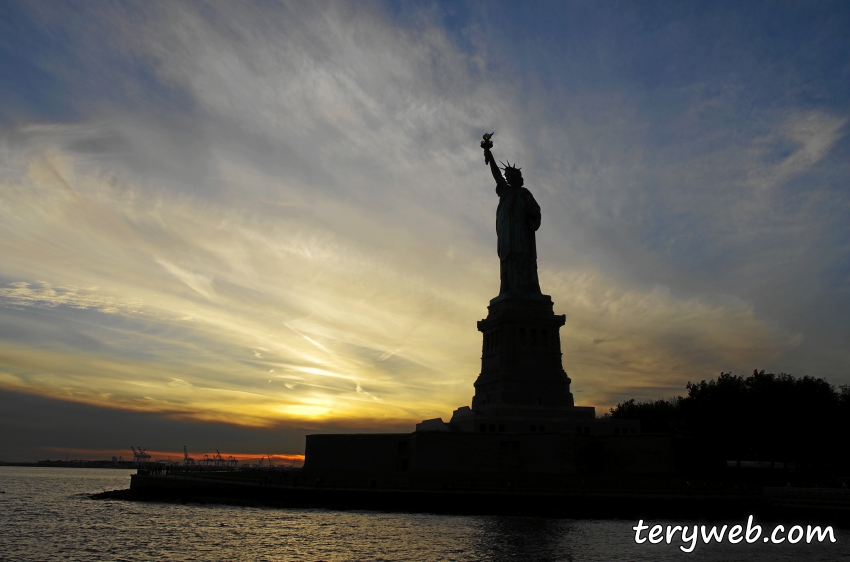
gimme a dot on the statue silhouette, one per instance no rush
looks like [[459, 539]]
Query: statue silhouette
[[517, 219]]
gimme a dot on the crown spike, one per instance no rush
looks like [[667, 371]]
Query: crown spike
[[509, 165]]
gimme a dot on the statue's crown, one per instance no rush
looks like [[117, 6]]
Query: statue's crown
[[509, 166]]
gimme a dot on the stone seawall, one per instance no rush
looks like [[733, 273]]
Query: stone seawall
[[469, 494]]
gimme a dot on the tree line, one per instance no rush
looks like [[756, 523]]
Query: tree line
[[761, 417]]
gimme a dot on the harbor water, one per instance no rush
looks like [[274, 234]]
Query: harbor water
[[46, 514]]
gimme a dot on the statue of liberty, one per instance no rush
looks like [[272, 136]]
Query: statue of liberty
[[517, 219]]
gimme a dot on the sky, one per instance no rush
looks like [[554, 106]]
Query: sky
[[228, 225]]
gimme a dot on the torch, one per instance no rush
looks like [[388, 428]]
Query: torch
[[487, 144]]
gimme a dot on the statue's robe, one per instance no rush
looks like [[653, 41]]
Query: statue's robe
[[517, 219]]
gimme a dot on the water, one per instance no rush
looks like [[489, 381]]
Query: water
[[45, 514]]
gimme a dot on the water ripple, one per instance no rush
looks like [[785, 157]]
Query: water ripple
[[46, 514]]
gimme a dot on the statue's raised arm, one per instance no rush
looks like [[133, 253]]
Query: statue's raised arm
[[487, 144]]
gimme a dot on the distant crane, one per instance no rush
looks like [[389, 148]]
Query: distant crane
[[187, 460], [141, 456]]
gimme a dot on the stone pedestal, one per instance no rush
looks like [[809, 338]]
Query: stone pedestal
[[522, 386]]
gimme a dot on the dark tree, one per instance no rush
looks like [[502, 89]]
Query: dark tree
[[762, 417]]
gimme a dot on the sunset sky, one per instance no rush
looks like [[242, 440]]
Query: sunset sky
[[227, 225]]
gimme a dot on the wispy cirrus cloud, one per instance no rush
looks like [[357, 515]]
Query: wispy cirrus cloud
[[21, 294], [797, 145]]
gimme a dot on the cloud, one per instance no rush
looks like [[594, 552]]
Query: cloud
[[798, 144], [22, 294], [199, 283]]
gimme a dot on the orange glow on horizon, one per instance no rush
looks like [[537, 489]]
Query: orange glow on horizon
[[177, 456]]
